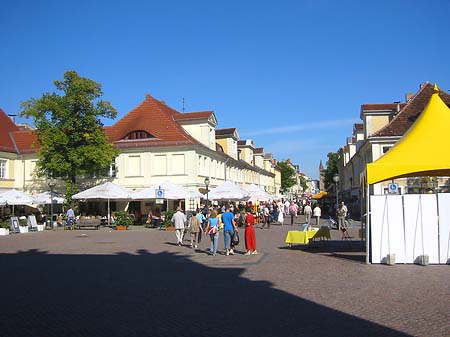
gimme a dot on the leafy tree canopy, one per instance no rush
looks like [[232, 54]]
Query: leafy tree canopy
[[288, 175], [332, 168], [68, 127]]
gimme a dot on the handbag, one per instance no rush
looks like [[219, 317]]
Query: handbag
[[235, 238], [212, 230]]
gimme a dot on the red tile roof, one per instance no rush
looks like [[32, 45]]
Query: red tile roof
[[26, 141], [7, 127], [358, 126], [228, 131], [381, 107], [193, 115], [157, 119], [258, 150], [411, 110]]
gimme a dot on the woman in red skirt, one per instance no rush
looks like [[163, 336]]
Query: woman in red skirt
[[250, 237]]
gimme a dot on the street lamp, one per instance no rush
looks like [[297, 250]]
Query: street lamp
[[207, 192], [51, 185], [336, 181]]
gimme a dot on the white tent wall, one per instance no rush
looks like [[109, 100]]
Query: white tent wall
[[387, 228], [444, 227], [408, 226], [421, 227]]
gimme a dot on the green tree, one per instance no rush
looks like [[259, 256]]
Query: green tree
[[332, 168], [303, 183], [69, 131], [288, 175]]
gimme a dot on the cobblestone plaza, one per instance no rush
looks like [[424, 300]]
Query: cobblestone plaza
[[139, 283]]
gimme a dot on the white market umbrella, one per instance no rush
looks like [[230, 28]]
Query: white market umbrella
[[256, 193], [228, 191], [46, 198], [106, 191], [171, 191], [14, 197]]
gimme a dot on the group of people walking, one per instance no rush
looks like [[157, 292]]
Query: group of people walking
[[225, 222]]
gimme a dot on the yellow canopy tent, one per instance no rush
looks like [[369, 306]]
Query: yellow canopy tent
[[424, 150], [319, 195]]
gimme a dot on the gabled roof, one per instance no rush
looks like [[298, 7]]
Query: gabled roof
[[358, 126], [410, 112], [258, 151], [194, 116], [227, 133], [157, 119], [7, 126], [13, 139], [381, 107]]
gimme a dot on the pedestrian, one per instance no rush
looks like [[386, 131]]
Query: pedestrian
[[212, 229], [317, 213], [266, 217], [70, 217], [293, 209], [280, 217], [201, 216], [286, 207], [308, 212], [179, 220], [229, 226], [341, 214], [156, 218], [250, 237], [149, 218], [195, 228]]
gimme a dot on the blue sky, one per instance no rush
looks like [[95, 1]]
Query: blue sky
[[291, 75]]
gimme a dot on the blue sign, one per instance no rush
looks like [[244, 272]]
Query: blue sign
[[159, 193], [393, 188]]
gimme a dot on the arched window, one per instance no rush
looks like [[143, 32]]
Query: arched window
[[138, 134]]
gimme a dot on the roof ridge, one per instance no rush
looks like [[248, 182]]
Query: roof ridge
[[150, 115]]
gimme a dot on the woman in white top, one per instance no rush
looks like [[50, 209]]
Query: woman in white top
[[317, 213]]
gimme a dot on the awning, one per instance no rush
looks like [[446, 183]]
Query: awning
[[319, 195]]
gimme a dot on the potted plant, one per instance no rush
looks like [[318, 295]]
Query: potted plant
[[167, 220], [23, 224], [4, 228], [123, 220]]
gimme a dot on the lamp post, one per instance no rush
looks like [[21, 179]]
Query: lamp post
[[336, 181], [207, 192], [51, 185]]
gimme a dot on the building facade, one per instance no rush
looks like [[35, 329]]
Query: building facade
[[156, 143]]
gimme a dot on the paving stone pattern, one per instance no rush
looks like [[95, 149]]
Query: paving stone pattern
[[139, 283]]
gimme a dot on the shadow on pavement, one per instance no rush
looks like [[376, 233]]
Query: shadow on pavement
[[348, 250], [161, 294]]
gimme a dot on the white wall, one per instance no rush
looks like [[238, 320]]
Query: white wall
[[409, 226]]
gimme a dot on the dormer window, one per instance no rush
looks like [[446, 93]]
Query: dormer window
[[138, 134]]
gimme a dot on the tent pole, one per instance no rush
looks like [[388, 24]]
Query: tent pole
[[367, 223], [108, 215]]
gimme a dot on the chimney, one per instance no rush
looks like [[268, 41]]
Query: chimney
[[13, 118]]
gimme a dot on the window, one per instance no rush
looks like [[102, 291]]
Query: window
[[3, 169], [386, 149], [138, 134]]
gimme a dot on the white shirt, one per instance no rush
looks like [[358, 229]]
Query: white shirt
[[317, 211], [179, 219]]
